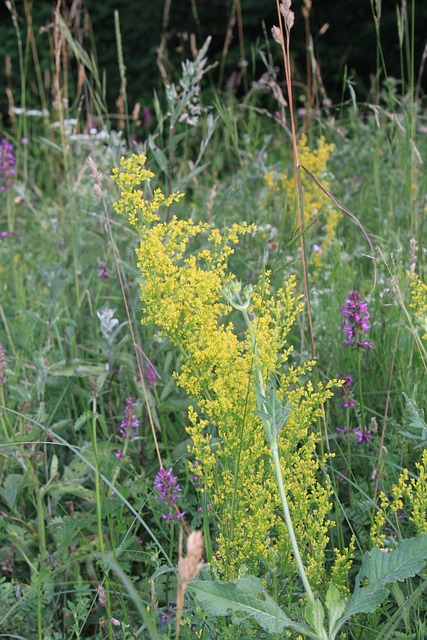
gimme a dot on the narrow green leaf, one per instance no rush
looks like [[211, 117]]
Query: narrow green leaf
[[159, 156], [315, 616], [335, 605]]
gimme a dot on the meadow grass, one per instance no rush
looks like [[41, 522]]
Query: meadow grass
[[273, 396]]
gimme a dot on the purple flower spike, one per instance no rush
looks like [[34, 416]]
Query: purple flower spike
[[167, 486], [356, 315], [7, 164], [130, 421]]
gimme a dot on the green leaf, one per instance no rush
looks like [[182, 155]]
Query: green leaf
[[271, 410], [159, 156], [380, 568], [362, 601], [12, 487], [315, 616], [414, 419], [335, 605], [164, 568], [242, 599]]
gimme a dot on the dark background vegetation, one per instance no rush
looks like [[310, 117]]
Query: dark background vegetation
[[348, 47]]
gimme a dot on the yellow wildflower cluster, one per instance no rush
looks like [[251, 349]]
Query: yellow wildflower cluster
[[377, 534], [314, 199], [408, 495], [270, 181], [184, 270], [132, 204], [343, 561], [419, 301]]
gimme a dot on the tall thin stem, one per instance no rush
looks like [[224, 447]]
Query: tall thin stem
[[285, 44], [288, 521]]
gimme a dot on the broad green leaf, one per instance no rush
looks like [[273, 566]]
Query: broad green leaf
[[380, 568], [12, 487], [362, 601], [242, 599]]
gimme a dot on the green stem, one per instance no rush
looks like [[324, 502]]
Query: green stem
[[288, 521], [363, 426], [40, 519]]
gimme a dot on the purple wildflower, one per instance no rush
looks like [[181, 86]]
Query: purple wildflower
[[346, 393], [3, 365], [7, 164], [356, 315], [119, 454], [103, 271], [363, 435], [150, 373], [130, 421], [167, 614], [167, 486], [6, 234]]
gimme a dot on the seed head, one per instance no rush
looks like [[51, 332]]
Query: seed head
[[190, 566], [277, 35]]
